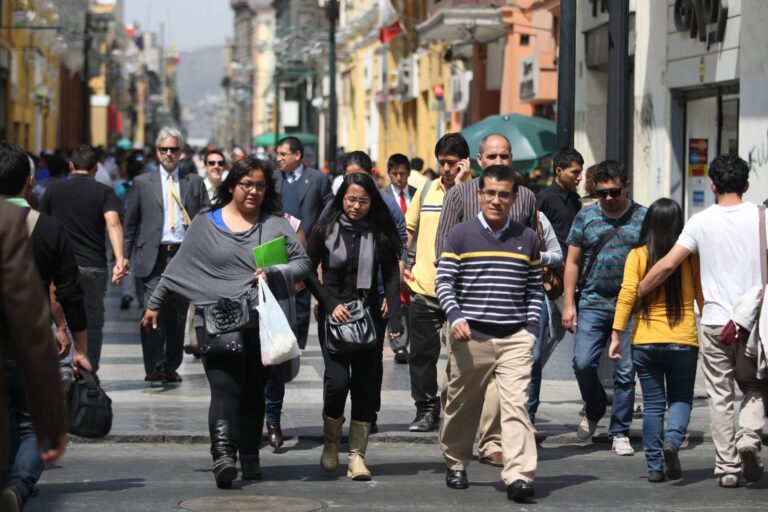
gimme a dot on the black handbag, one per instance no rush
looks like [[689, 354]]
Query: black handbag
[[224, 322], [90, 409], [355, 335]]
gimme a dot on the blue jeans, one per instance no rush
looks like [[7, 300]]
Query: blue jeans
[[667, 372], [534, 390], [25, 465], [592, 336], [274, 392]]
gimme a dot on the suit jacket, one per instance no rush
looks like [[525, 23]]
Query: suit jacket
[[411, 193], [144, 215], [315, 194], [25, 334]]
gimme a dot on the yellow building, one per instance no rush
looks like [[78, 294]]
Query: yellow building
[[32, 77], [393, 95]]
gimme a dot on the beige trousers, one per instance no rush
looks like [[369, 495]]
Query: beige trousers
[[718, 366], [471, 368]]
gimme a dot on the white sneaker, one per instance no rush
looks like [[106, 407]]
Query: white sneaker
[[586, 429], [621, 446]]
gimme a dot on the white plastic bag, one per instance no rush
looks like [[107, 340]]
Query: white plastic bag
[[278, 343]]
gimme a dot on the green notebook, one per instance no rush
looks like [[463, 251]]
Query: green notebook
[[271, 253]]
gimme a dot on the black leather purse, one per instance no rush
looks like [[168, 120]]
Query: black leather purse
[[224, 323], [355, 335]]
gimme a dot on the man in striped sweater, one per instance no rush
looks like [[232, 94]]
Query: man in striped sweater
[[489, 284]]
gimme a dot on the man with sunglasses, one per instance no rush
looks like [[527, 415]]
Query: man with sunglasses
[[601, 236], [158, 214], [214, 171]]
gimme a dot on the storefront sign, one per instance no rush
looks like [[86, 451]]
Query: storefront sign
[[697, 157], [698, 198], [703, 19], [529, 78]]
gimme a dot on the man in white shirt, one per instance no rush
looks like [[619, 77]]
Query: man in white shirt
[[726, 236]]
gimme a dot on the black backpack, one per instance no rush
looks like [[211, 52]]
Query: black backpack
[[90, 409]]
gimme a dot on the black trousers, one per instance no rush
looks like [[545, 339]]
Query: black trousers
[[237, 392], [358, 374], [164, 347], [426, 319]]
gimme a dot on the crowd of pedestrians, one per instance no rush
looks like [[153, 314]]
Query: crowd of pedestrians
[[474, 264]]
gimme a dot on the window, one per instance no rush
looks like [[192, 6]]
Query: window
[[525, 39]]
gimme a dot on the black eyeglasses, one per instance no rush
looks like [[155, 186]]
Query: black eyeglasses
[[502, 195], [247, 186], [173, 149], [216, 163], [604, 193]]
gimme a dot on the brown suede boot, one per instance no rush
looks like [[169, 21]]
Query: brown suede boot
[[358, 443], [329, 460]]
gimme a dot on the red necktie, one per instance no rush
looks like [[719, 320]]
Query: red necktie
[[403, 206]]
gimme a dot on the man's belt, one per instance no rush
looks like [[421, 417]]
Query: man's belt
[[170, 247]]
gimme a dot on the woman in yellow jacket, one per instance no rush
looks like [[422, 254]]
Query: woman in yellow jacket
[[665, 346]]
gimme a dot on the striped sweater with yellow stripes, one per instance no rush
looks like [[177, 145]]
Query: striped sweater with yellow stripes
[[495, 284]]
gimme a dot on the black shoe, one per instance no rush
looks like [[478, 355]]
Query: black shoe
[[751, 466], [274, 435], [655, 477], [125, 302], [374, 428], [250, 469], [519, 491], [401, 356], [672, 468], [424, 422], [456, 479], [224, 452]]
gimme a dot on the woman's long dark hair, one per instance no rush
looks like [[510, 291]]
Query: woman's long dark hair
[[662, 226], [379, 218], [243, 167]]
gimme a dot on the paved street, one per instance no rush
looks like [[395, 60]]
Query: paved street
[[407, 477], [157, 456]]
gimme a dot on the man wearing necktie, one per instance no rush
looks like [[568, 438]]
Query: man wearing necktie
[[157, 217], [398, 169]]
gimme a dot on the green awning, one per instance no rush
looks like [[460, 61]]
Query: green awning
[[532, 138], [268, 139]]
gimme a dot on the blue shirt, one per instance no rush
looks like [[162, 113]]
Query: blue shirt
[[604, 280], [292, 177], [177, 235]]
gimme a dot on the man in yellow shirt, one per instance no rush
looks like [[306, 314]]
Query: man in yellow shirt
[[426, 317]]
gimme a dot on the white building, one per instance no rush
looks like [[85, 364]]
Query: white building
[[698, 90]]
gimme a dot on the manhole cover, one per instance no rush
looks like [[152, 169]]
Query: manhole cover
[[250, 503]]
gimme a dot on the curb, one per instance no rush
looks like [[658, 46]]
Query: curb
[[542, 438]]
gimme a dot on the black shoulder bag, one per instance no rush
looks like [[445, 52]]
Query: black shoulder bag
[[355, 335], [90, 409], [607, 237]]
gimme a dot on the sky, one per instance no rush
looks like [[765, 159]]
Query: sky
[[191, 24]]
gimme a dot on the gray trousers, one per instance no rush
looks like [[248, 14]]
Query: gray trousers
[[163, 347]]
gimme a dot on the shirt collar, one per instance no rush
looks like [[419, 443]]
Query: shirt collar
[[296, 172], [397, 190], [165, 173], [488, 228], [19, 201]]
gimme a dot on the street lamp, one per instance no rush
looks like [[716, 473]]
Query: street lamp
[[332, 13], [94, 24]]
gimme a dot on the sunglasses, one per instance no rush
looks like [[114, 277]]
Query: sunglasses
[[173, 149], [613, 192], [215, 163]]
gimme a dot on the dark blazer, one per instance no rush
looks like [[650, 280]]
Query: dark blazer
[[411, 192], [315, 194], [144, 216], [25, 334]]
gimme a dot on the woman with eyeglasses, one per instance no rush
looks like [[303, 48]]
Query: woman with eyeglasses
[[214, 262], [354, 241], [665, 345]]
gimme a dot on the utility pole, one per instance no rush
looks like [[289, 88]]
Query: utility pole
[[86, 91], [277, 106], [566, 75], [617, 128], [332, 13]]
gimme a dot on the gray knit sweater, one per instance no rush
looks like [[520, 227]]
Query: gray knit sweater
[[214, 263]]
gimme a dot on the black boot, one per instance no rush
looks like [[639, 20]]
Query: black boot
[[250, 442], [224, 451]]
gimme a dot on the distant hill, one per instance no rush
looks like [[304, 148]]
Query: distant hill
[[199, 78]]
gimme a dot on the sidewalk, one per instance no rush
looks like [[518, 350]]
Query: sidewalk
[[178, 413]]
